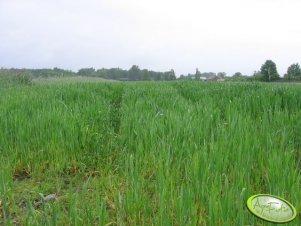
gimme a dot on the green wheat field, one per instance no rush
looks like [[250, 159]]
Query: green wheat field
[[88, 152]]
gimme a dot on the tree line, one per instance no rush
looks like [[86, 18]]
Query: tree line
[[133, 74], [44, 73], [267, 73]]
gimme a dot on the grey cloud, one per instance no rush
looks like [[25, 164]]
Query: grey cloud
[[211, 35]]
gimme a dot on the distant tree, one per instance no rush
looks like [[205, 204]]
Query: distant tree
[[257, 76], [182, 76], [145, 75], [221, 74], [114, 73], [87, 72], [269, 71], [190, 76], [134, 73], [237, 74], [61, 72], [171, 75], [158, 76], [103, 73], [197, 74], [293, 72]]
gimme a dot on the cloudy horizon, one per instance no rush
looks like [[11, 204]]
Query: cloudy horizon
[[219, 36]]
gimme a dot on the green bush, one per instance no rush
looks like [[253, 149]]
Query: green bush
[[9, 78]]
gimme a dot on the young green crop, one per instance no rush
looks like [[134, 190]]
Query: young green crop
[[146, 153]]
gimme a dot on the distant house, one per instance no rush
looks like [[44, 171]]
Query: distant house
[[213, 78], [216, 78], [208, 76], [123, 79]]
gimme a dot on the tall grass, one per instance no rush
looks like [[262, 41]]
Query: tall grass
[[168, 153]]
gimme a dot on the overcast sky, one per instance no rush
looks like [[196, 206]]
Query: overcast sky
[[212, 35]]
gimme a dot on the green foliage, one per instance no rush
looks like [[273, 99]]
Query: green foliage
[[237, 74], [133, 74], [293, 72], [87, 72], [258, 76], [170, 75], [221, 74], [240, 78], [37, 73], [15, 77], [197, 74], [269, 71]]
